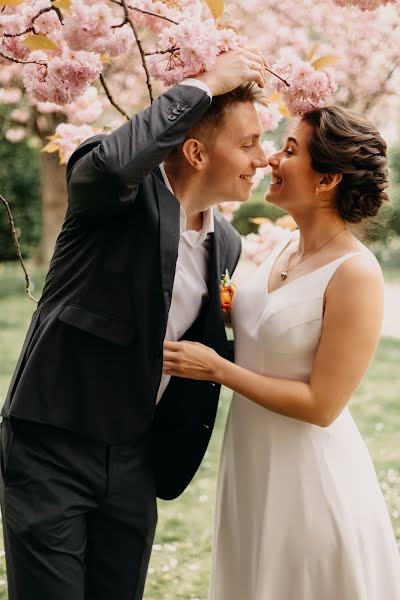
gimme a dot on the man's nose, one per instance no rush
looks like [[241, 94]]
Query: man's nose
[[261, 161]]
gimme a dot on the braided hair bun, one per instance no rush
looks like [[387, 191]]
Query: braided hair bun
[[346, 143]]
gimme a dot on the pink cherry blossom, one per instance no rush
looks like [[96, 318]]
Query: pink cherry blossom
[[364, 4], [270, 116], [19, 115], [229, 208], [15, 134], [257, 247], [86, 109], [195, 45], [65, 77], [87, 25], [307, 88], [10, 95], [68, 137]]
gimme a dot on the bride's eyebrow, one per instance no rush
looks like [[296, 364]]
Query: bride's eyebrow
[[292, 139]]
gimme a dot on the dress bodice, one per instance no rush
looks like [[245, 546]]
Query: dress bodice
[[277, 333]]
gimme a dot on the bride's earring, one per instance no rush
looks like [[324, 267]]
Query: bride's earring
[[316, 191]]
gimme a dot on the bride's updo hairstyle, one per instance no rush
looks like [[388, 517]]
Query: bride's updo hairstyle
[[346, 143]]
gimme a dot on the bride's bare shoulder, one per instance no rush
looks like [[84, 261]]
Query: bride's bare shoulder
[[360, 274]]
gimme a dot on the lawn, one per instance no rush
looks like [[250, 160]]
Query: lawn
[[180, 562]]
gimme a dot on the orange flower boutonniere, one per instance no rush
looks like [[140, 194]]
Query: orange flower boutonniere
[[227, 290]]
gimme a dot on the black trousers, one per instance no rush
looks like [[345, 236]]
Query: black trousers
[[79, 516]]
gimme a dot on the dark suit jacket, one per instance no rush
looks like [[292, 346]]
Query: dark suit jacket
[[92, 359]]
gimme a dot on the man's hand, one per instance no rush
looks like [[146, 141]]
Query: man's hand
[[234, 68]]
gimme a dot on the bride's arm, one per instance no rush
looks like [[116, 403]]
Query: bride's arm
[[350, 333]]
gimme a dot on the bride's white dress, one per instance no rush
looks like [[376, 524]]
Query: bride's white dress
[[300, 514]]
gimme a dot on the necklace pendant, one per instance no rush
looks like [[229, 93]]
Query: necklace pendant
[[284, 274]]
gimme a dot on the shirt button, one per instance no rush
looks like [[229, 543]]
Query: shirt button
[[171, 117], [176, 111]]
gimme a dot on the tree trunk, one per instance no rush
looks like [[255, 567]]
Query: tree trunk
[[53, 189]]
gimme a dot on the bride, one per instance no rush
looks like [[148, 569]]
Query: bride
[[300, 514]]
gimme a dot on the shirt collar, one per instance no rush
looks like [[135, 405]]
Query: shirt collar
[[208, 215]]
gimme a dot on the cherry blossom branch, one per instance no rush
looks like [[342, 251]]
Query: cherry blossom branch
[[23, 62], [32, 27], [152, 14], [168, 51], [18, 248], [111, 99], [139, 45], [276, 75]]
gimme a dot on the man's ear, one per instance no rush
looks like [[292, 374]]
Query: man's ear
[[328, 182], [195, 153]]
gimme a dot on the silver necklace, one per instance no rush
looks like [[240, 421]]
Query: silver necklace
[[285, 271]]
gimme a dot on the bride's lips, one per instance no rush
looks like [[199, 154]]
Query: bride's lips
[[275, 182]]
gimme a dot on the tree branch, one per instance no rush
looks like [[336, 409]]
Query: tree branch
[[169, 50], [32, 27], [23, 62], [18, 248], [111, 99], [139, 45], [152, 14], [275, 75]]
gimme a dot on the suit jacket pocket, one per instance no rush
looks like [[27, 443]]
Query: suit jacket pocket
[[103, 326]]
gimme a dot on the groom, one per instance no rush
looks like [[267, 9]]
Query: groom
[[91, 433]]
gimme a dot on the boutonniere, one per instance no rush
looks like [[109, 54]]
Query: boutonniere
[[227, 289]]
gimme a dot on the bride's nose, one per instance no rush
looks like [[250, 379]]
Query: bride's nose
[[273, 160]]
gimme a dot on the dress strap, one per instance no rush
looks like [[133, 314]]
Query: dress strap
[[325, 273]]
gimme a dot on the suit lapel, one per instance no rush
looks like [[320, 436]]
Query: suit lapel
[[169, 210]]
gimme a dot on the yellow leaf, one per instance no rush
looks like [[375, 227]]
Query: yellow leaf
[[50, 147], [275, 97], [324, 61], [105, 59], [11, 2], [62, 157], [312, 52], [63, 4], [259, 220], [287, 222], [227, 26], [283, 109], [216, 7], [39, 42]]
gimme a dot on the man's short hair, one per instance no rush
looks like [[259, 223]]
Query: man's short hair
[[213, 118]]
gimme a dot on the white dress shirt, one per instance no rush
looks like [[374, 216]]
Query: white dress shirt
[[190, 284]]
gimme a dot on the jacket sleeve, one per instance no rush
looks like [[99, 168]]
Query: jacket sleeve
[[104, 173]]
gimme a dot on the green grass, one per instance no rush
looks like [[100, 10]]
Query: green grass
[[180, 563]]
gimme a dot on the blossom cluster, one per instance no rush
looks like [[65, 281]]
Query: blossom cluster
[[257, 246], [190, 47], [96, 28], [64, 78], [167, 12], [67, 138], [304, 87]]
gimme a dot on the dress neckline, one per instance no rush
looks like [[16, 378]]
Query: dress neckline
[[280, 250]]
